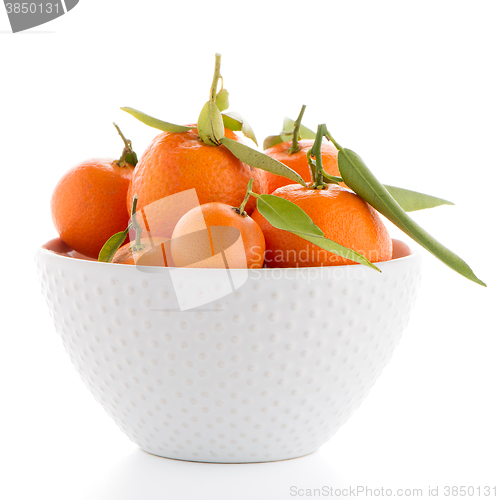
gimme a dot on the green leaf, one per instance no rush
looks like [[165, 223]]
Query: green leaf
[[304, 132], [361, 180], [287, 134], [222, 99], [210, 125], [131, 158], [273, 140], [235, 122], [155, 123], [410, 201], [284, 214], [336, 248], [260, 160], [111, 246], [231, 123]]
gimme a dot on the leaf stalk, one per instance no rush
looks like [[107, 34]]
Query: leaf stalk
[[241, 209], [137, 246], [217, 77], [294, 148], [128, 154], [315, 161]]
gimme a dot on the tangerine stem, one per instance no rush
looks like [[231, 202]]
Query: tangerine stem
[[125, 141], [217, 76], [241, 209], [317, 171], [136, 227], [330, 138], [128, 154], [294, 148], [312, 164]]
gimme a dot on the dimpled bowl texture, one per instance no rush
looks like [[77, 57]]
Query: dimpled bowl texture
[[267, 372]]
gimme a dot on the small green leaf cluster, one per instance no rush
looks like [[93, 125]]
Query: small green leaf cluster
[[211, 121], [112, 245], [128, 156], [287, 134]]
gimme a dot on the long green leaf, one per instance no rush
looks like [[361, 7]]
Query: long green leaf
[[155, 123], [411, 201], [235, 122], [260, 160], [284, 214], [361, 180], [111, 246], [336, 248]]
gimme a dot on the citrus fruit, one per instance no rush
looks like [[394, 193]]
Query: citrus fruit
[[175, 162], [342, 215], [216, 235], [89, 204], [155, 252], [298, 162]]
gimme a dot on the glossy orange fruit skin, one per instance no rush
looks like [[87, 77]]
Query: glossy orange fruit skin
[[176, 162], [342, 215], [89, 204], [157, 254], [217, 214], [298, 162]]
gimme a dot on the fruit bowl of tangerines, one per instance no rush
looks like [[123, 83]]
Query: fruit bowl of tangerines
[[225, 304]]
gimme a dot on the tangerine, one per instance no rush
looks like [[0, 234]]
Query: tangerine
[[155, 252], [298, 162], [88, 204], [342, 215], [217, 235], [175, 162]]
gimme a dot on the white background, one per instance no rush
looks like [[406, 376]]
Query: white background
[[413, 87]]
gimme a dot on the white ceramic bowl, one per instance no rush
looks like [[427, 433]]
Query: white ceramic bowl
[[267, 372]]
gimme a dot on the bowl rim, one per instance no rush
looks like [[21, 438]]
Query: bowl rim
[[413, 255]]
